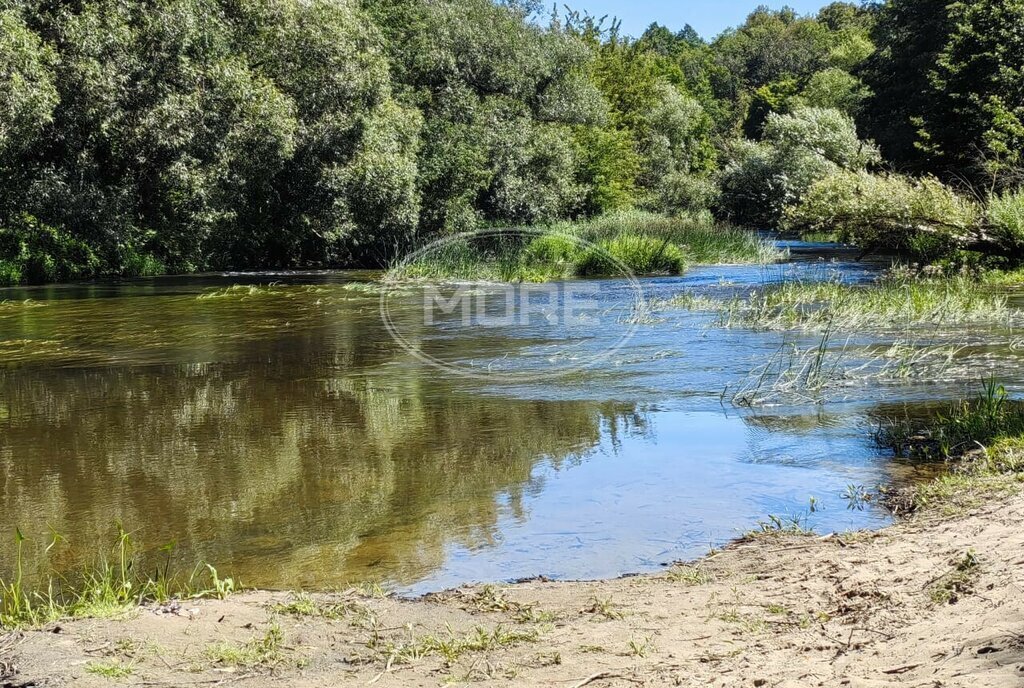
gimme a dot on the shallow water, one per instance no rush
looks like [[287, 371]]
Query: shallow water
[[285, 436]]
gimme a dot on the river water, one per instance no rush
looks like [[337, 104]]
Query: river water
[[283, 435]]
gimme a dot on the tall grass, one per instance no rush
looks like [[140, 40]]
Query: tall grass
[[109, 587], [697, 235], [631, 242], [811, 374], [966, 425], [1006, 213], [891, 303]]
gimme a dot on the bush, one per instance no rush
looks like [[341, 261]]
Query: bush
[[37, 253], [887, 211], [134, 263], [10, 273], [763, 179], [684, 192], [836, 89]]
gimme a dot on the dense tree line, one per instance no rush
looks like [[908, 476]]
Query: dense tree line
[[180, 135]]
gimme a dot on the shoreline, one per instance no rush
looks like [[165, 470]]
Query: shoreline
[[931, 600]]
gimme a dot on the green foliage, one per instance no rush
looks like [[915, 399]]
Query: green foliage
[[207, 134], [909, 35], [976, 116], [763, 179], [1005, 214], [826, 133], [898, 302], [836, 89], [109, 587], [607, 168], [28, 95], [630, 242], [893, 211], [36, 252]]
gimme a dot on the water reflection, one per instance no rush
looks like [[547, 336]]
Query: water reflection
[[292, 459]]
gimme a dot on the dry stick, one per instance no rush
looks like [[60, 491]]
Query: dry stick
[[387, 668], [597, 677]]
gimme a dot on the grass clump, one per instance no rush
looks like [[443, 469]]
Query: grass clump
[[603, 608], [982, 441], [303, 605], [111, 587], [451, 646], [262, 651], [242, 292], [1005, 213], [701, 239], [895, 302], [641, 255], [966, 425], [492, 599], [111, 669], [691, 575], [791, 524]]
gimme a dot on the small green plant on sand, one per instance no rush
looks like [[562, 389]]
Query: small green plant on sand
[[691, 575], [604, 608], [263, 650], [111, 669], [958, 582]]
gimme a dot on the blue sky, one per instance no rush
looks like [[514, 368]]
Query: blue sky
[[709, 17]]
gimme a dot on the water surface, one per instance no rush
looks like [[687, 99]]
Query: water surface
[[284, 436]]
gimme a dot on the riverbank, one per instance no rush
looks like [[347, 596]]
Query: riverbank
[[933, 600]]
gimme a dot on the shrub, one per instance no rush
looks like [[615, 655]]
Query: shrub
[[825, 132], [10, 273], [134, 263], [38, 253], [763, 179], [684, 192], [887, 211]]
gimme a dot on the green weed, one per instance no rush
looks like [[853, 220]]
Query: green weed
[[958, 582], [265, 650], [111, 669]]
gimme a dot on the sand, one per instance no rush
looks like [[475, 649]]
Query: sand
[[932, 601]]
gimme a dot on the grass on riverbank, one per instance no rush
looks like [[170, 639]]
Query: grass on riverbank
[[633, 242], [980, 439], [892, 303], [109, 588]]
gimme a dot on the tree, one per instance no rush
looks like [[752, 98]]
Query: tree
[[763, 179], [976, 119], [909, 35]]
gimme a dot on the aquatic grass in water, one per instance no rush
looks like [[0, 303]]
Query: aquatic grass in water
[[818, 373], [967, 425], [641, 254], [698, 236], [889, 304]]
